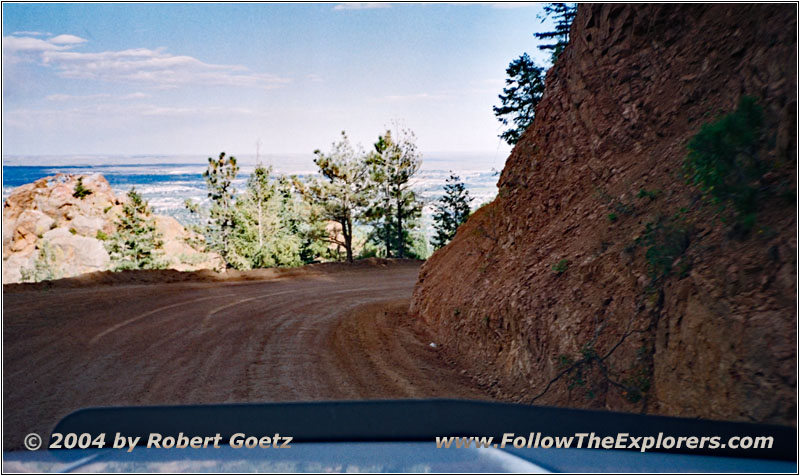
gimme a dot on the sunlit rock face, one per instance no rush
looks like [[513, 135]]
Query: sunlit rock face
[[47, 217]]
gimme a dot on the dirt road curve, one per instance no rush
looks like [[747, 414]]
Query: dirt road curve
[[339, 334]]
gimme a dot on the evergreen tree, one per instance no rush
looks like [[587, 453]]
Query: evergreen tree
[[257, 222], [260, 194], [268, 225], [563, 14], [380, 213], [341, 195], [523, 91], [219, 177], [395, 207], [136, 243], [303, 220], [80, 191], [265, 234], [450, 211]]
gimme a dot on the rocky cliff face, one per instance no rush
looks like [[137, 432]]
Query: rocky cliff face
[[46, 214], [547, 291]]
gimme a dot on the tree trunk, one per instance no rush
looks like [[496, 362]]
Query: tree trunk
[[347, 232], [400, 242], [260, 231], [387, 232]]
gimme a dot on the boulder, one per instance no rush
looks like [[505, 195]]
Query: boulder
[[46, 215], [179, 253], [13, 266], [33, 222], [76, 254], [87, 226]]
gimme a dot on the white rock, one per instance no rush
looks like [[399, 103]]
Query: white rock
[[87, 226]]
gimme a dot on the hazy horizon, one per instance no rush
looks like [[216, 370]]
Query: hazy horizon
[[138, 79], [282, 162]]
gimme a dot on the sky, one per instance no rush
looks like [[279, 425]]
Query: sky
[[183, 79]]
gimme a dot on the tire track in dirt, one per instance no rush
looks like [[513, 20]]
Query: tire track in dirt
[[150, 313], [332, 335]]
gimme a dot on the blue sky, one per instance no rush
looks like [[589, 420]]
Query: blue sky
[[200, 78]]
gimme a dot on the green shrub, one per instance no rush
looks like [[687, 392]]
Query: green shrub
[[637, 385], [666, 241], [651, 194], [612, 217], [723, 160], [80, 191], [192, 259], [101, 235], [561, 266], [45, 266]]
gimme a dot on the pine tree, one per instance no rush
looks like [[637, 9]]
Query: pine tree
[[258, 208], [380, 213], [523, 91], [80, 190], [265, 232], [450, 211], [306, 219], [219, 177], [136, 243], [341, 194], [563, 14], [395, 208]]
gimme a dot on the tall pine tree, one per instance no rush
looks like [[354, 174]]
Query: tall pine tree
[[450, 211], [265, 232], [380, 212], [341, 194], [523, 91], [562, 14], [219, 177], [395, 207]]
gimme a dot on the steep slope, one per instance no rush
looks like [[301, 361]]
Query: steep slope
[[547, 290]]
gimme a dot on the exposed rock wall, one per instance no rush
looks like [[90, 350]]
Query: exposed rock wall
[[47, 214], [551, 273]]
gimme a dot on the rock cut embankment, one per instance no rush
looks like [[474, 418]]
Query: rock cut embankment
[[553, 272]]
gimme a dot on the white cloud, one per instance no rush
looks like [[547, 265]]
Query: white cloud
[[136, 96], [66, 40], [361, 5], [107, 111], [86, 97], [314, 78], [31, 33], [156, 68], [70, 97], [15, 45]]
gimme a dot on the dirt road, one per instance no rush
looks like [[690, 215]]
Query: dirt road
[[340, 334]]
